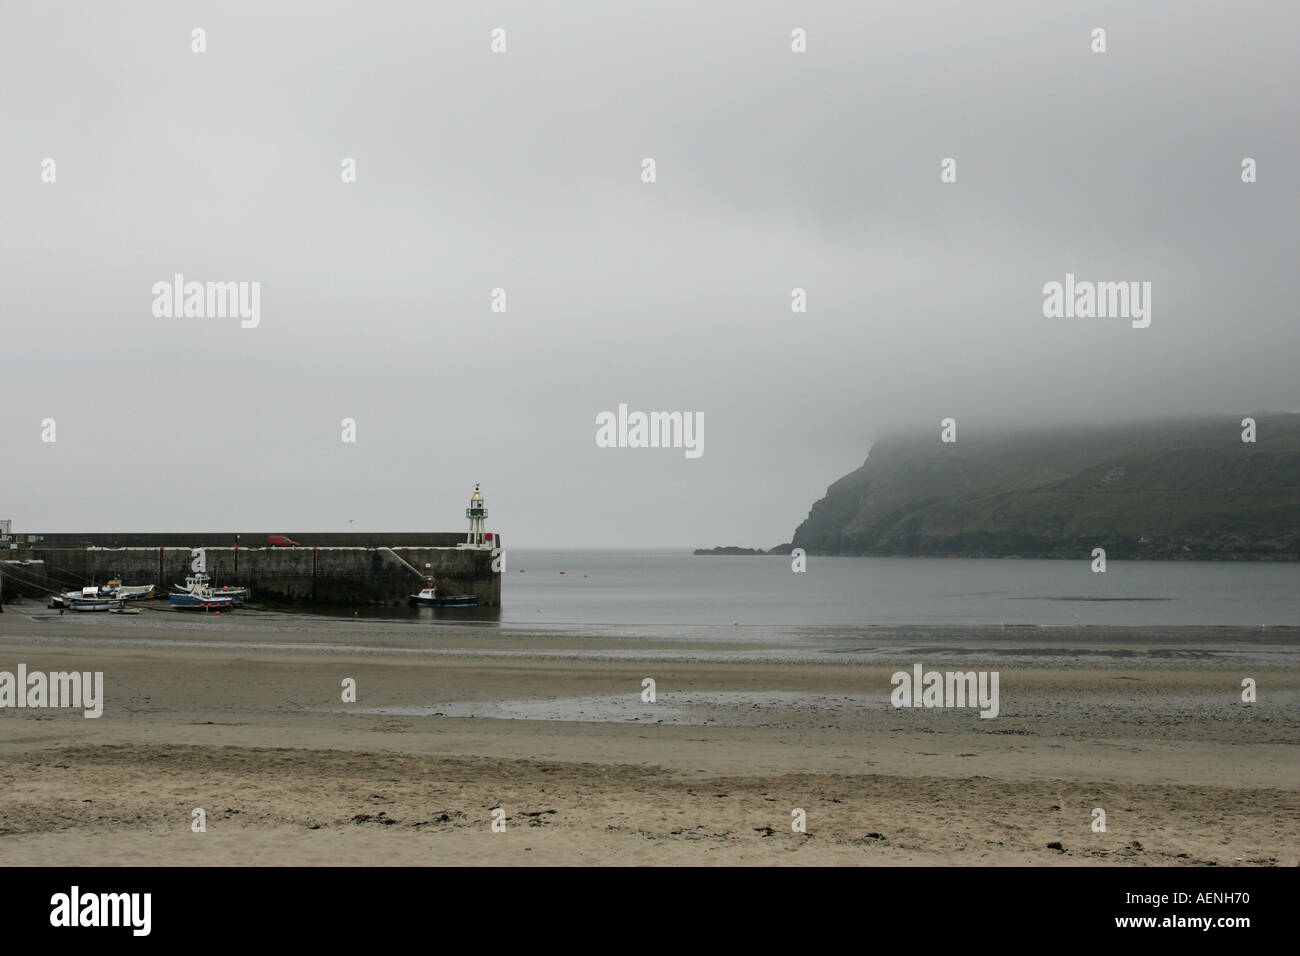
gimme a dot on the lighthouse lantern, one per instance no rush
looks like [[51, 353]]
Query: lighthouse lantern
[[477, 515]]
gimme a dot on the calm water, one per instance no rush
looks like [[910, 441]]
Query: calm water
[[635, 588]]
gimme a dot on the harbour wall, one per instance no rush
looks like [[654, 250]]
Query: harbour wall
[[357, 568]]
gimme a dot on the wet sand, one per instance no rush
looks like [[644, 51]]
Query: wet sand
[[243, 717]]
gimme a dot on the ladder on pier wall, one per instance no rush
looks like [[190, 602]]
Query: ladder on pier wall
[[403, 561], [422, 575]]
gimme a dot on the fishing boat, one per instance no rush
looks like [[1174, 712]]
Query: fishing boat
[[198, 594], [196, 583], [428, 597], [207, 599], [87, 599]]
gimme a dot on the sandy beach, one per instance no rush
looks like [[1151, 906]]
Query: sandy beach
[[243, 717]]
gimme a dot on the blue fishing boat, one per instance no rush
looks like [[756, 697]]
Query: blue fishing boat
[[197, 594], [208, 601], [199, 584]]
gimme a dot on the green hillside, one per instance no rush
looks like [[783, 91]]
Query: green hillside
[[1181, 489]]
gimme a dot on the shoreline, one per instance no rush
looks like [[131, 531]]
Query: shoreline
[[248, 720]]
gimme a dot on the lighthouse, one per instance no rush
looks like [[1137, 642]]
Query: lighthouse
[[477, 515]]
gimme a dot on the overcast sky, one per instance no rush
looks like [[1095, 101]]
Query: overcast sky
[[522, 171]]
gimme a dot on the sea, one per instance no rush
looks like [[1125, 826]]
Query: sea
[[630, 588], [673, 604]]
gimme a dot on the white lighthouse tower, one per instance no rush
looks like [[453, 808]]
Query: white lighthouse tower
[[477, 515]]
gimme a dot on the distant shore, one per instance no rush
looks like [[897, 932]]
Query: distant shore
[[1053, 555]]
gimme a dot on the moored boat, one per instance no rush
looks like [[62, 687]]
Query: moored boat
[[196, 583], [197, 593], [87, 599], [428, 597], [116, 589], [206, 599]]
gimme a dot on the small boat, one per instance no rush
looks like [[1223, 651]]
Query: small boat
[[124, 610], [428, 597], [116, 589], [197, 583]]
